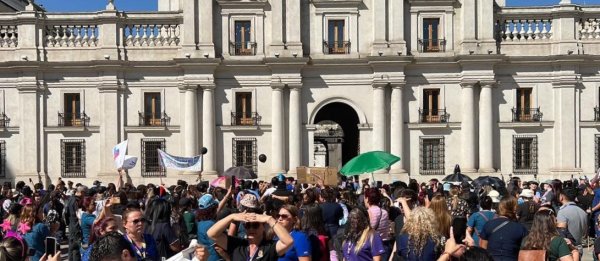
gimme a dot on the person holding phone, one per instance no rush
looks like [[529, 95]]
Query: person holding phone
[[256, 245]]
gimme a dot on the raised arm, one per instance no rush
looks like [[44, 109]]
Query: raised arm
[[285, 239], [216, 231]]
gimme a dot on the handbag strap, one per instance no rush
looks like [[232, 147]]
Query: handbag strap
[[500, 226]]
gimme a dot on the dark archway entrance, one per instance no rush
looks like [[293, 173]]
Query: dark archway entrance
[[348, 121]]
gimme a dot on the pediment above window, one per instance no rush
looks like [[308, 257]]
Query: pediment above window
[[337, 3], [243, 4]]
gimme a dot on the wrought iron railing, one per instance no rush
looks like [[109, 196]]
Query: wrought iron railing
[[526, 114], [433, 116], [4, 120], [245, 119], [154, 119], [431, 155], [242, 48], [525, 155], [73, 158], [341, 47], [151, 166], [432, 45], [73, 119], [596, 114]]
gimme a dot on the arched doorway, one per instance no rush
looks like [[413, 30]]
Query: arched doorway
[[336, 127]]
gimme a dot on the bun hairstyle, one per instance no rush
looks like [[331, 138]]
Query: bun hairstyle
[[13, 249]]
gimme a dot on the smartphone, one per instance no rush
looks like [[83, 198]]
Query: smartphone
[[115, 200], [51, 246]]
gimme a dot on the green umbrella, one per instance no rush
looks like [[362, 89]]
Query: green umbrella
[[369, 162]]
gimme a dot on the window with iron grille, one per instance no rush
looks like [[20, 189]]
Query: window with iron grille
[[151, 166], [244, 153], [597, 141], [525, 154], [73, 158], [2, 159], [431, 155]]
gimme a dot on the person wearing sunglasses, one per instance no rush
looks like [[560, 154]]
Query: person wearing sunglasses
[[143, 245], [301, 250], [256, 246]]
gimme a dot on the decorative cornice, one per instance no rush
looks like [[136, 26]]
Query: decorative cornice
[[421, 126], [157, 129], [514, 125], [60, 129]]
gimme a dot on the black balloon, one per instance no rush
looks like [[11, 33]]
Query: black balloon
[[262, 158], [204, 150]]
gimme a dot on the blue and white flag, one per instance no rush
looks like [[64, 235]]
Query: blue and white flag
[[180, 163]]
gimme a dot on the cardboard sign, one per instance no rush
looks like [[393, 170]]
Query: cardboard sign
[[329, 176]]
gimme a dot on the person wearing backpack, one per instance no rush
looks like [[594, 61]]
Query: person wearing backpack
[[544, 241], [527, 210], [502, 236], [479, 219]]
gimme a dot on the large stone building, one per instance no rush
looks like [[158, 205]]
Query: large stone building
[[496, 89]]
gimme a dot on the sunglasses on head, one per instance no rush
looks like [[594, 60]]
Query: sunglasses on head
[[282, 216], [136, 221], [252, 225]]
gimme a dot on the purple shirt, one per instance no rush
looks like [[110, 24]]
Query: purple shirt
[[373, 247]]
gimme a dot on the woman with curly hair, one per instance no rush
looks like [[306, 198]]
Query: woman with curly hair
[[544, 236], [361, 242], [420, 236], [441, 213]]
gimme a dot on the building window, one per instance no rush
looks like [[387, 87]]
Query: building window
[[524, 110], [244, 153], [524, 154], [73, 158], [2, 159], [336, 43], [243, 44], [151, 166], [431, 41], [431, 111], [243, 114], [72, 114], [152, 114], [432, 155]]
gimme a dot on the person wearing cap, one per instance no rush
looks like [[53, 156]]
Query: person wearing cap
[[534, 186], [495, 195], [256, 246], [527, 210], [206, 218]]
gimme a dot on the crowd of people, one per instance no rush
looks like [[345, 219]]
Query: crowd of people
[[282, 219]]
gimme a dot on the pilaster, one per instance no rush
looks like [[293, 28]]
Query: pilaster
[[468, 128], [209, 138], [277, 129]]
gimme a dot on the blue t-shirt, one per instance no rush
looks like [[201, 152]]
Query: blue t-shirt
[[408, 254], [505, 242], [85, 256], [301, 247], [150, 251], [596, 199], [36, 239], [87, 220], [477, 221], [372, 247], [203, 239]]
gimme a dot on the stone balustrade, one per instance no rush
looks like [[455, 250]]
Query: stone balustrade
[[524, 30], [151, 35], [9, 36], [69, 35]]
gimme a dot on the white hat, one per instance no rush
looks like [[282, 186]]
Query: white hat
[[495, 195], [527, 193]]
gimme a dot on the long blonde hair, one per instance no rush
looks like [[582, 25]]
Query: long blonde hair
[[441, 213], [454, 193], [421, 226], [359, 230]]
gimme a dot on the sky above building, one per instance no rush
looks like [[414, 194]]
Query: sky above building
[[151, 5]]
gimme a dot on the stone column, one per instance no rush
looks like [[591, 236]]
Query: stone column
[[486, 129], [379, 116], [397, 128], [379, 27], [295, 125], [469, 147], [292, 27], [109, 122], [188, 35], [190, 122], [277, 138], [276, 26], [208, 130], [28, 128]]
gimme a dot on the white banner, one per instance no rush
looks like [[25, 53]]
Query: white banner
[[129, 162], [119, 152], [180, 163]]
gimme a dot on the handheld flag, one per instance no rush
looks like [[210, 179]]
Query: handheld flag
[[180, 163]]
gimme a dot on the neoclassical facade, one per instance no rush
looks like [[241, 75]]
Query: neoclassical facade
[[496, 89]]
